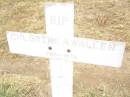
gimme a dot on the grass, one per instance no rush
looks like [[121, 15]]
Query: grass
[[8, 90], [104, 91], [19, 86]]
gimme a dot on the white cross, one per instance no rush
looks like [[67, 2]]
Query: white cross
[[62, 48]]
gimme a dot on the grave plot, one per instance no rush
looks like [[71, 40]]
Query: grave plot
[[63, 51], [91, 34]]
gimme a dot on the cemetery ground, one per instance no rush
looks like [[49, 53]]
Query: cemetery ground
[[97, 19]]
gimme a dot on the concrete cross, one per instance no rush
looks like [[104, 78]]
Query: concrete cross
[[62, 48]]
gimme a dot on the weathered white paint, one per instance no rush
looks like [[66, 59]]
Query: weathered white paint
[[59, 19], [99, 52]]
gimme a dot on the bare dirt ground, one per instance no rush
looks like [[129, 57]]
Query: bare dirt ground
[[97, 19]]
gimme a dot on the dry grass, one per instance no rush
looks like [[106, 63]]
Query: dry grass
[[97, 19], [19, 86]]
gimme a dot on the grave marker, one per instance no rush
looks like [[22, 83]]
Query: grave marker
[[62, 48]]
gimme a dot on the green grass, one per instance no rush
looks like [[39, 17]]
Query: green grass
[[17, 86], [8, 90]]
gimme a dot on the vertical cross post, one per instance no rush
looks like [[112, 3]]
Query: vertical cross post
[[59, 19]]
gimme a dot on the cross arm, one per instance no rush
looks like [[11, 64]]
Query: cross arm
[[82, 50]]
